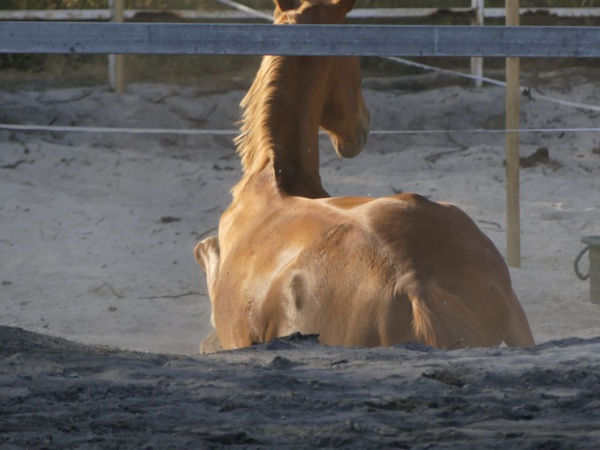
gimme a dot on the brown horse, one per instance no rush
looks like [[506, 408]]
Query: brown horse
[[357, 271]]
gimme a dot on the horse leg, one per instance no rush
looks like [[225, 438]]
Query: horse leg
[[207, 254], [210, 344], [519, 332]]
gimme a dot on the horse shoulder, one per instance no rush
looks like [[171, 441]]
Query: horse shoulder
[[334, 287]]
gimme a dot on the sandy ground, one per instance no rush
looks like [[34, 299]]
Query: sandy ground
[[298, 394], [96, 239]]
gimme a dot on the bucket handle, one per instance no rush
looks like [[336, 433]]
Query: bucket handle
[[576, 265]]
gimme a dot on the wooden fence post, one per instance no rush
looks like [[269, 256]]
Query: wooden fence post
[[116, 63], [477, 61], [513, 226]]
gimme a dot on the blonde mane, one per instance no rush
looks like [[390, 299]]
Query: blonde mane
[[255, 144]]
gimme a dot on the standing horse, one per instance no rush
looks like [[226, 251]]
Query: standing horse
[[356, 271]]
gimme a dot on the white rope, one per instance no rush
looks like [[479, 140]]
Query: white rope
[[482, 131], [246, 9], [408, 62], [524, 90], [582, 106], [58, 128], [115, 130]]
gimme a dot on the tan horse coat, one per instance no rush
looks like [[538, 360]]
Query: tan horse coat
[[357, 271]]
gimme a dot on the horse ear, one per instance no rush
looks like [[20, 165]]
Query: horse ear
[[346, 5], [207, 254], [287, 5]]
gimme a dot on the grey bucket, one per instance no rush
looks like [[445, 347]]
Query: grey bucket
[[593, 246]]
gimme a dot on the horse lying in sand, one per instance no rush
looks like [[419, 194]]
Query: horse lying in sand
[[356, 271]]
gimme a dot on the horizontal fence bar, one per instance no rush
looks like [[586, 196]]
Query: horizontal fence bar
[[497, 13], [225, 14], [255, 39], [233, 132]]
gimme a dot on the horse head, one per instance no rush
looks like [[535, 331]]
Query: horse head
[[345, 116]]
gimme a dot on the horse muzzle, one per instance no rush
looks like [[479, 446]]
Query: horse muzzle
[[351, 147]]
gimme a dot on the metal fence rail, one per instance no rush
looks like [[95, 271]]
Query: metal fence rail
[[217, 15], [255, 39]]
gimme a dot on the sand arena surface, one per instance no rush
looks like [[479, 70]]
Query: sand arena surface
[[97, 233], [295, 393]]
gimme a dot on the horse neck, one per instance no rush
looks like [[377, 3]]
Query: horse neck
[[280, 140]]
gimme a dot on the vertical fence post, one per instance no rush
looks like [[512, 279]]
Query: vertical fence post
[[116, 63], [513, 226], [477, 61]]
